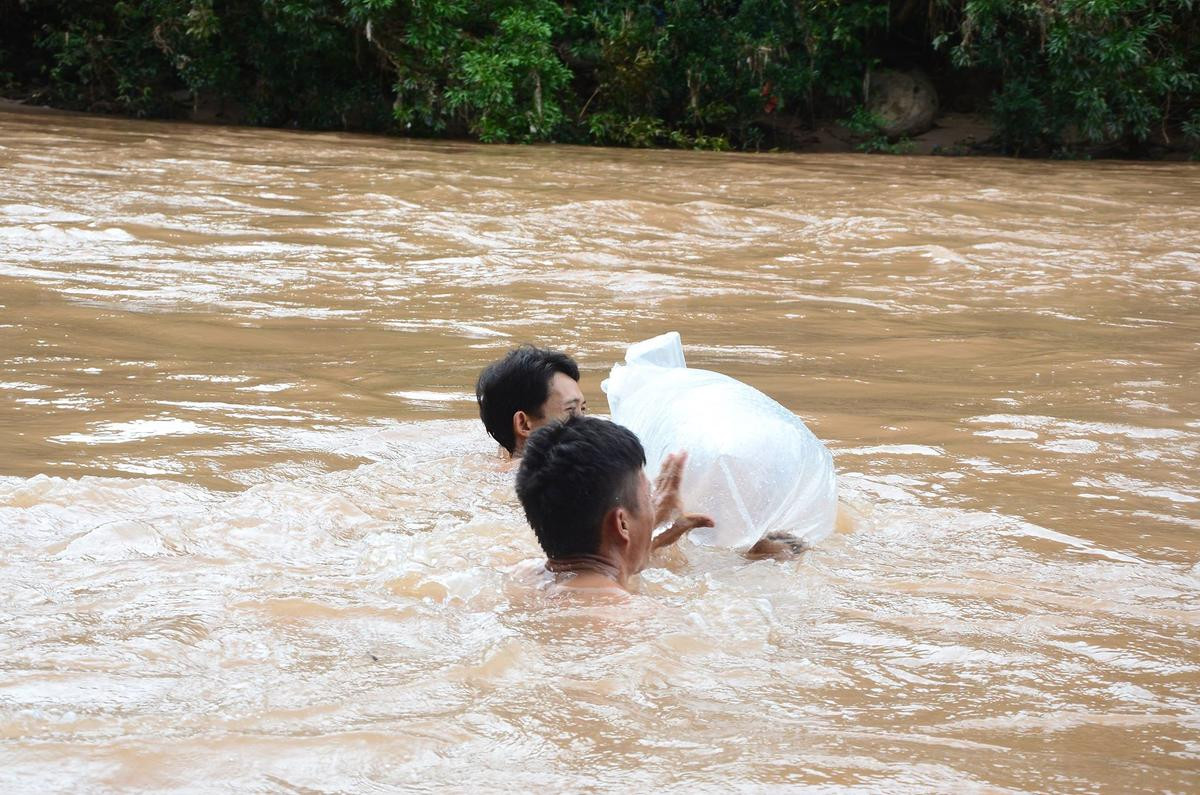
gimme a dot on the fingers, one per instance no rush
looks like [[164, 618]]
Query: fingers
[[677, 472], [673, 471], [664, 473], [666, 487]]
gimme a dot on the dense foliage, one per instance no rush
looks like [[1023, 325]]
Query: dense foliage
[[1086, 71], [1057, 77]]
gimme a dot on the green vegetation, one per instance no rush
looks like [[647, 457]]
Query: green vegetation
[[867, 127], [1071, 77], [1080, 72]]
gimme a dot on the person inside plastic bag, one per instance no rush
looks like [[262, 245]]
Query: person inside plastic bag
[[766, 480], [525, 390], [585, 493]]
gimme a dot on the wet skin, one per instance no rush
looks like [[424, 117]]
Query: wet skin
[[565, 400], [627, 534]]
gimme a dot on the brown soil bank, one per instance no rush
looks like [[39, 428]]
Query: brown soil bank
[[952, 134]]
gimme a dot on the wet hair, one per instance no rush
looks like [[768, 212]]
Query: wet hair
[[518, 382], [572, 474]]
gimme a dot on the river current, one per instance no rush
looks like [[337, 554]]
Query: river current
[[254, 538]]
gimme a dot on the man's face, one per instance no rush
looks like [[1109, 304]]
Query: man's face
[[565, 400]]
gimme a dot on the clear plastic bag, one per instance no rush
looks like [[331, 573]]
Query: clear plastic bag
[[753, 466]]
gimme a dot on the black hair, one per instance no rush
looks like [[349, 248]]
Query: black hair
[[518, 382], [572, 474]]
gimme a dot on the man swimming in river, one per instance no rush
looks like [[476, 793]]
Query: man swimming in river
[[532, 387], [525, 390], [585, 495]]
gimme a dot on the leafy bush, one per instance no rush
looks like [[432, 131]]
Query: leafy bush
[[488, 68], [1083, 71], [282, 63], [710, 73], [867, 127], [1058, 77], [109, 60], [508, 82]]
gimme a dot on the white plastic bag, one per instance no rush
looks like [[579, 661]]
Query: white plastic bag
[[753, 466]]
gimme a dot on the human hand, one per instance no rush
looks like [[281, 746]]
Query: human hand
[[668, 506]]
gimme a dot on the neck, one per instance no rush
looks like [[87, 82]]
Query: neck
[[587, 569]]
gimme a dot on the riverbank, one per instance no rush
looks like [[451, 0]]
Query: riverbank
[[953, 134]]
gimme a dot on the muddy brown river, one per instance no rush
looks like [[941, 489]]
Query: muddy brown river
[[255, 540]]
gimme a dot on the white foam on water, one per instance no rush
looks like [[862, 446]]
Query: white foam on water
[[133, 430]]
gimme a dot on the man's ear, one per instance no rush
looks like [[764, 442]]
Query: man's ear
[[521, 425], [618, 519]]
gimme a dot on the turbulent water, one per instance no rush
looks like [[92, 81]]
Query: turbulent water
[[255, 541]]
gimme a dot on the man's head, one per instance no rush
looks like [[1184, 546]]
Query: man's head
[[525, 390], [584, 492]]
